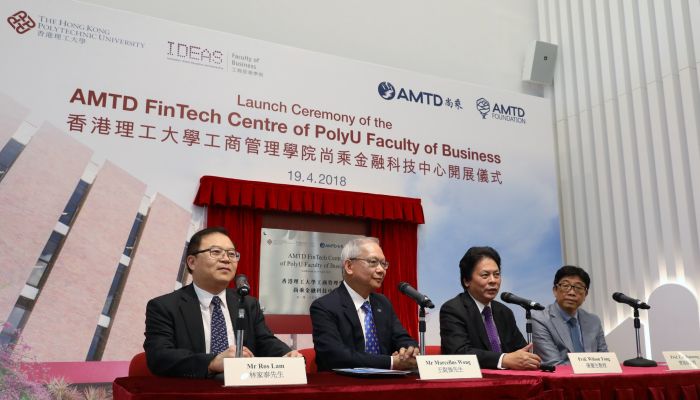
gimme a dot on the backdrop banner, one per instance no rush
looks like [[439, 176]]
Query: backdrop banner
[[108, 119]]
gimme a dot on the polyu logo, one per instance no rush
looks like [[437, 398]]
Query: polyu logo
[[21, 22], [503, 112], [388, 92]]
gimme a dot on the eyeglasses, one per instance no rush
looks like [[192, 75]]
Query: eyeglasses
[[373, 262], [217, 252], [565, 287]]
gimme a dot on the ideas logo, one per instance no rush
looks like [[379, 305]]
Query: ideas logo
[[194, 54], [388, 92], [503, 112], [21, 22]]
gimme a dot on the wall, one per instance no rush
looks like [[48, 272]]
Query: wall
[[627, 109]]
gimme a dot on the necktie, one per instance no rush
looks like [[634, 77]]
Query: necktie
[[219, 340], [491, 330], [575, 335], [371, 339]]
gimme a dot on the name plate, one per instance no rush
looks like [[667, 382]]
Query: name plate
[[264, 371], [595, 363], [448, 367], [681, 360]]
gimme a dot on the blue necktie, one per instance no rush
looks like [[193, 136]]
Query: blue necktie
[[219, 339], [371, 339], [491, 330], [575, 335]]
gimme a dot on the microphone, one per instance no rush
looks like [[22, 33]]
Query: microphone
[[421, 299], [242, 286], [636, 303], [548, 367], [525, 303]]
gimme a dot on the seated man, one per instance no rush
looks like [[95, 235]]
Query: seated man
[[355, 327], [563, 327], [474, 323], [191, 330]]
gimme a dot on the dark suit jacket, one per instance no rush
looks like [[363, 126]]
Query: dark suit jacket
[[175, 333], [338, 338], [462, 330]]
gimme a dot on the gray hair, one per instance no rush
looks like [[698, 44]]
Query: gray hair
[[352, 248]]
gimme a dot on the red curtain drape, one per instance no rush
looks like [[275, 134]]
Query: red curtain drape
[[399, 241], [239, 205]]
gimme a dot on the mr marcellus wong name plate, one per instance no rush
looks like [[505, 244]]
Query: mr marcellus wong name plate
[[595, 363], [264, 371], [448, 367]]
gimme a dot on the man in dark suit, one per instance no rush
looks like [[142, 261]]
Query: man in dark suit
[[348, 333], [190, 331], [474, 323], [564, 327]]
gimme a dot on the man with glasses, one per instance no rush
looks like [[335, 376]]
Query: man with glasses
[[355, 327], [563, 327], [190, 331], [473, 322]]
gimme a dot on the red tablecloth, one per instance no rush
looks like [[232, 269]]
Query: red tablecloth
[[327, 385], [634, 383]]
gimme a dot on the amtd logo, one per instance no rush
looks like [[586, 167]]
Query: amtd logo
[[500, 111], [388, 92]]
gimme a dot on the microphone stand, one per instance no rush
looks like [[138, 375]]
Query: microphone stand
[[528, 325], [639, 361], [240, 323], [421, 330]]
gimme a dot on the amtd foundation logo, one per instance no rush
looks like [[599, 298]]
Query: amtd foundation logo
[[388, 92], [500, 111], [21, 22]]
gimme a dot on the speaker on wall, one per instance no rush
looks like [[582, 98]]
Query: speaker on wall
[[539, 63]]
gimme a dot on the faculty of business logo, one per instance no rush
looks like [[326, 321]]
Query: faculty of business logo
[[21, 22], [500, 111], [388, 92]]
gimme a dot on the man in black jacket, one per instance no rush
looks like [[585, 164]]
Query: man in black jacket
[[190, 331], [474, 323], [355, 327]]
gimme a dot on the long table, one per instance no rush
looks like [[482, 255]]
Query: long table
[[633, 384], [328, 385]]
